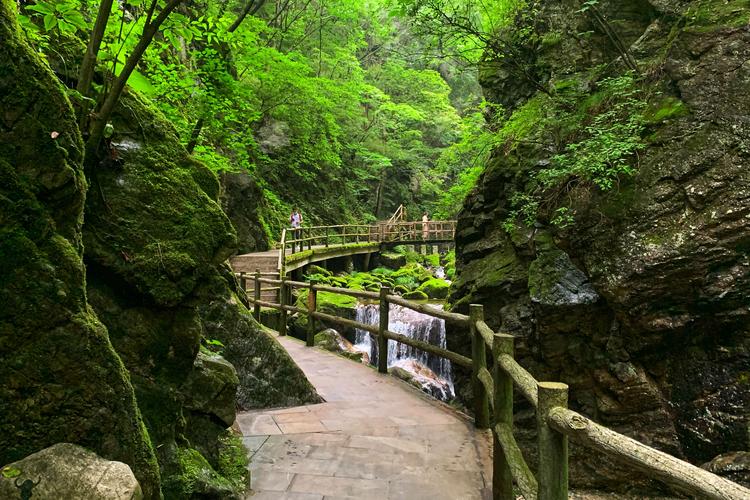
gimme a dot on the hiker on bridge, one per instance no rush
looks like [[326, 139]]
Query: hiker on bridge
[[425, 226], [296, 221]]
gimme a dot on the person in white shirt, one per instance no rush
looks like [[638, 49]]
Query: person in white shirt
[[296, 220], [425, 226]]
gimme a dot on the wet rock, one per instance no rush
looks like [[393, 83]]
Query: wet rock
[[69, 471], [423, 378], [331, 340], [734, 465]]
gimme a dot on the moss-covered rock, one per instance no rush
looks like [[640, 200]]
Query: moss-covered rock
[[416, 295], [268, 377], [435, 288], [392, 260], [211, 388], [60, 378], [156, 244]]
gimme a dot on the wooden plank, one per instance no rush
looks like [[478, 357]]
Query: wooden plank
[[438, 351], [653, 463], [269, 281], [486, 333], [462, 319], [523, 380], [518, 467], [263, 303], [485, 377], [346, 322]]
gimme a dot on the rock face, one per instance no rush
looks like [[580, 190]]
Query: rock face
[[69, 471], [60, 378], [241, 199], [156, 244], [640, 305]]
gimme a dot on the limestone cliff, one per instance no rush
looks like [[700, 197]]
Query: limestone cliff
[[640, 301]]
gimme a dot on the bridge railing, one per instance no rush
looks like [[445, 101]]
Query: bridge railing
[[493, 387], [305, 238]]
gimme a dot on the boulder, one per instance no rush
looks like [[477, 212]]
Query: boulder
[[211, 387], [392, 260], [416, 295], [65, 470], [331, 340], [733, 465], [435, 288]]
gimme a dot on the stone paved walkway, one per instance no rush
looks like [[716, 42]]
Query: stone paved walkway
[[374, 438]]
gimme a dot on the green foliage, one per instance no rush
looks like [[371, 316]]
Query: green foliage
[[599, 138]]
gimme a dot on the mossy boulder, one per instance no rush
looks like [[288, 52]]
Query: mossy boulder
[[156, 244], [435, 288], [416, 295], [211, 388], [60, 378], [333, 341], [268, 377], [392, 260]]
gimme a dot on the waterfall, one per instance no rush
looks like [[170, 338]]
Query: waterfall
[[417, 326]]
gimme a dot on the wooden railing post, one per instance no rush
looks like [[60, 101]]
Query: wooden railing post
[[326, 240], [382, 327], [256, 295], [283, 302], [309, 239], [312, 303], [553, 446], [502, 479], [479, 359], [243, 282]]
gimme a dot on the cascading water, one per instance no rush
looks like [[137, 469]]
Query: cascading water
[[417, 326]]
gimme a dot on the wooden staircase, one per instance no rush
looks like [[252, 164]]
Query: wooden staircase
[[268, 265]]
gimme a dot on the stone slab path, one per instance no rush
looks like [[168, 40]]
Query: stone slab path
[[375, 437]]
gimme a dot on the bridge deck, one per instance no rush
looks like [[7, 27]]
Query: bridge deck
[[375, 437]]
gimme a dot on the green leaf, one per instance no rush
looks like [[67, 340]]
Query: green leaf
[[42, 8], [76, 19], [10, 472], [50, 21]]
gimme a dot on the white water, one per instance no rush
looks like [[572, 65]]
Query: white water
[[417, 326]]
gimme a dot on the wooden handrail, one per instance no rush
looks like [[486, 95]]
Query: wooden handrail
[[494, 386]]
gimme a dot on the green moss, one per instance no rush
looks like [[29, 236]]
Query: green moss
[[416, 295], [60, 378], [665, 109], [233, 461], [328, 301], [195, 477], [435, 288]]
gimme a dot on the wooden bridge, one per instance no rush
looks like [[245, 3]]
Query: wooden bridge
[[306, 245], [493, 387]]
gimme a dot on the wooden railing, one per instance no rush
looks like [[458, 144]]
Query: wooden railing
[[305, 238], [398, 215], [494, 386]]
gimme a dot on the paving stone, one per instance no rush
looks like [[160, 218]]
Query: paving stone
[[375, 437]]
